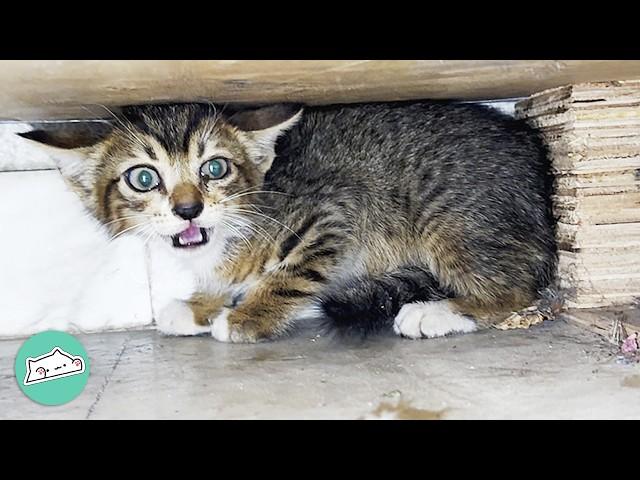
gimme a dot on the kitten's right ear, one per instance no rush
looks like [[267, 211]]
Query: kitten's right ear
[[69, 145], [69, 136]]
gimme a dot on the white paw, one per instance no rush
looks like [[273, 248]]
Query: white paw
[[177, 319], [220, 326], [430, 319]]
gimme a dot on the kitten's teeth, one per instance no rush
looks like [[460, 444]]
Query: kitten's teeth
[[189, 237]]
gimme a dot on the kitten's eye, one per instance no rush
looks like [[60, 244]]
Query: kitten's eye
[[214, 169], [142, 179]]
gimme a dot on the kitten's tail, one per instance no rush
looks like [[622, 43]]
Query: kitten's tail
[[368, 304]]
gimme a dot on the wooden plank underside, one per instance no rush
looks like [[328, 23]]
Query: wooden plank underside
[[48, 90]]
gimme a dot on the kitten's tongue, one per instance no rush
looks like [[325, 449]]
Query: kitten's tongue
[[191, 235]]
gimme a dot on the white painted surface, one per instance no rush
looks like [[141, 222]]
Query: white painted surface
[[57, 267]]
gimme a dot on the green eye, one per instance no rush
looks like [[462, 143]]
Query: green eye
[[214, 169], [142, 179]]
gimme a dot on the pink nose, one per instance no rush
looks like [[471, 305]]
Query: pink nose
[[76, 363]]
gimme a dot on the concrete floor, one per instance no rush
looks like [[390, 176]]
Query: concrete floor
[[551, 371]]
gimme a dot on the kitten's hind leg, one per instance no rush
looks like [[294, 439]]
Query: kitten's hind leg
[[369, 304], [430, 320]]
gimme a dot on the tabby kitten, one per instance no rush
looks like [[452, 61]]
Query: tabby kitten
[[427, 218]]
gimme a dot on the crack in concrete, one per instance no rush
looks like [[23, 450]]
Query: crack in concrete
[[107, 379]]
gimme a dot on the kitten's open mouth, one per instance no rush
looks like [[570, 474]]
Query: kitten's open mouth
[[190, 238]]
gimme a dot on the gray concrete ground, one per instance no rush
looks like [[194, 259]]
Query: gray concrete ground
[[551, 371]]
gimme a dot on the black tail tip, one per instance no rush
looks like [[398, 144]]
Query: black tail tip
[[355, 317]]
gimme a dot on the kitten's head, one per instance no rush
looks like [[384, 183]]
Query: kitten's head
[[179, 173]]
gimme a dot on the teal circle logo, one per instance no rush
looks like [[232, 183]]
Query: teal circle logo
[[52, 367]]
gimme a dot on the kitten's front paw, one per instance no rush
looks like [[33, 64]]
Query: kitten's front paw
[[177, 319], [226, 327], [430, 319], [220, 326]]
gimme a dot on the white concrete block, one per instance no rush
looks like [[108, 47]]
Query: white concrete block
[[58, 268]]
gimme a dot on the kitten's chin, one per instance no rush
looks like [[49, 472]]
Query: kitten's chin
[[205, 254], [200, 261]]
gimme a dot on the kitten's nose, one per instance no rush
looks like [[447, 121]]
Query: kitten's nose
[[188, 211]]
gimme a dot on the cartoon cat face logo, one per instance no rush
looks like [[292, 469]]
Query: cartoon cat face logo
[[52, 366]]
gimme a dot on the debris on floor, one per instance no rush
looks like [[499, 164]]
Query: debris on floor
[[401, 409], [546, 308], [630, 345], [632, 382], [618, 332], [629, 350], [523, 319]]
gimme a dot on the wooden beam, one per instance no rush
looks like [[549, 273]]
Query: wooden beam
[[48, 90]]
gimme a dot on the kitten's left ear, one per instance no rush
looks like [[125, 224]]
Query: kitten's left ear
[[263, 126]]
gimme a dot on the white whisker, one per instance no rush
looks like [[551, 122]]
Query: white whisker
[[230, 197], [139, 225], [243, 237], [233, 197], [127, 217], [126, 127], [249, 212], [251, 226], [151, 233]]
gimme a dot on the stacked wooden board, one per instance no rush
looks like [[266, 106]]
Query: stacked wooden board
[[593, 133]]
